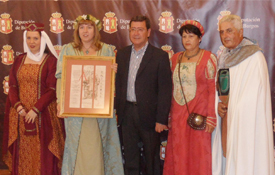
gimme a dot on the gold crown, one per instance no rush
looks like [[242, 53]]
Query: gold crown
[[166, 47], [166, 14], [56, 15], [110, 14], [5, 15], [57, 47], [224, 13], [7, 47]]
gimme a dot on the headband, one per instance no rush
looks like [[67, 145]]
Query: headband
[[34, 27], [194, 23], [88, 18]]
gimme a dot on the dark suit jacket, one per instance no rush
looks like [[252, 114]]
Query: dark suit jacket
[[153, 86]]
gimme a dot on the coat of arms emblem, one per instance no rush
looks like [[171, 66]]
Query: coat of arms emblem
[[6, 85], [110, 22], [168, 49], [57, 48], [166, 22], [5, 23], [162, 150], [56, 23], [7, 55], [222, 14]]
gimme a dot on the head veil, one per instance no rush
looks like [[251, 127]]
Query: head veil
[[45, 40]]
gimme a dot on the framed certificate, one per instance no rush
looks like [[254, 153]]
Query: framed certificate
[[87, 88]]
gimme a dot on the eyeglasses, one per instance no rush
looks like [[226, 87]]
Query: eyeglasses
[[136, 29]]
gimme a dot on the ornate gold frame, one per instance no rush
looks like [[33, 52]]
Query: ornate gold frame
[[96, 61]]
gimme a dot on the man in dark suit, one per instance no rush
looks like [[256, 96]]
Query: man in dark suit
[[143, 96]]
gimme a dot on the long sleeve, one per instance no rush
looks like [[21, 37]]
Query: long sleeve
[[164, 89], [58, 73], [13, 83]]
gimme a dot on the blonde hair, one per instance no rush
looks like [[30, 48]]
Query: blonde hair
[[77, 43], [234, 19]]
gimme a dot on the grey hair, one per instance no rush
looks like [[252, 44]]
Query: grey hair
[[234, 19]]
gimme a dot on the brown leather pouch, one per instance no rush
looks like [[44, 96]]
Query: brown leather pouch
[[196, 121]]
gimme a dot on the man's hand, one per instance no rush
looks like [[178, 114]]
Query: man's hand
[[30, 117], [160, 127], [222, 109]]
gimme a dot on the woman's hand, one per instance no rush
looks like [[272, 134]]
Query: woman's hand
[[209, 128], [30, 117], [21, 111], [114, 67]]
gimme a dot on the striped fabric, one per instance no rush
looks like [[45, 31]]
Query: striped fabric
[[135, 60]]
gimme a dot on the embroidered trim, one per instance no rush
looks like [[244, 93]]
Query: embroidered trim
[[212, 117], [214, 59], [209, 121], [39, 86], [189, 82], [202, 53], [17, 104], [30, 130], [35, 109], [210, 70], [210, 124], [40, 73]]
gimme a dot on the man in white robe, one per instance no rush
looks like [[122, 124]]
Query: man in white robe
[[249, 136]]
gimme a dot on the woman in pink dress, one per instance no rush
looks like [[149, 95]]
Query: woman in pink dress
[[188, 150]]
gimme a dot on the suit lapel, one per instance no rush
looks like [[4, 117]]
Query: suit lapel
[[146, 58]]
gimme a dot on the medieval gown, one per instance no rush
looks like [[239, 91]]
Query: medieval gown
[[101, 143], [188, 151], [38, 151]]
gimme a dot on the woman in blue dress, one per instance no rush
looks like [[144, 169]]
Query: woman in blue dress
[[92, 144]]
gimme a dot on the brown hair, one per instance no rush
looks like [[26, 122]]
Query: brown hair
[[77, 43], [141, 18]]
